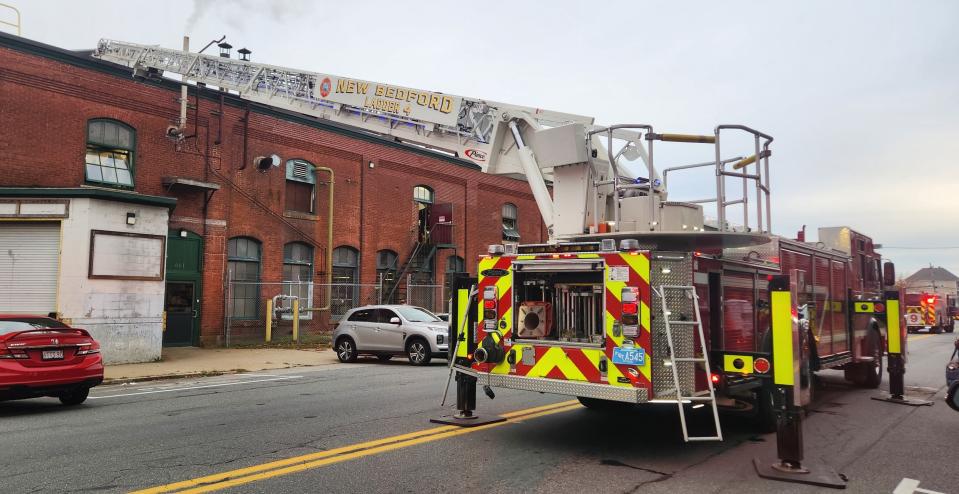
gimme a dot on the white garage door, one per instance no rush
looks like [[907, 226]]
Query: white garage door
[[29, 254]]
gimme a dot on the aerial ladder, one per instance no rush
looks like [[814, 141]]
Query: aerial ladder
[[585, 165]]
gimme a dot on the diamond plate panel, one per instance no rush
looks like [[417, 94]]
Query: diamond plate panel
[[672, 268]]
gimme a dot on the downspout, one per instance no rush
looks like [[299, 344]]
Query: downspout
[[363, 164], [246, 133], [329, 243]]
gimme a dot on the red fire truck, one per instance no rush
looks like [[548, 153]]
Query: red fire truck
[[637, 297], [930, 311]]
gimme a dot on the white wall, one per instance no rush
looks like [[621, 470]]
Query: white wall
[[939, 287], [125, 316]]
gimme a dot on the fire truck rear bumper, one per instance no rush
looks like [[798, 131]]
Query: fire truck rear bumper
[[560, 387]]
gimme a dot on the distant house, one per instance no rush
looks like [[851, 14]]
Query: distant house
[[933, 280]]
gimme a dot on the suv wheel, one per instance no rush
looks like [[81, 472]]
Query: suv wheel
[[418, 351], [346, 350]]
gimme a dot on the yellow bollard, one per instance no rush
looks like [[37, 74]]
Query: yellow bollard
[[296, 320], [269, 319]]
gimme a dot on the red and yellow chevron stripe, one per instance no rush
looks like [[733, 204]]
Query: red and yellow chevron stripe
[[577, 363], [928, 312]]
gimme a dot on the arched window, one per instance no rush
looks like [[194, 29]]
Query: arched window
[[111, 146], [346, 274], [510, 225], [300, 186], [423, 194], [298, 273], [243, 267], [387, 263]]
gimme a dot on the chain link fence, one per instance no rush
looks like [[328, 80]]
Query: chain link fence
[[430, 297], [250, 304]]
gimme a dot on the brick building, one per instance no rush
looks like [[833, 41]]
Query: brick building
[[79, 129]]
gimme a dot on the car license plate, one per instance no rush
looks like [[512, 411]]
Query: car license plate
[[52, 355], [629, 356]]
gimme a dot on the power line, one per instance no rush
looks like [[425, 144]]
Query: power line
[[920, 248]]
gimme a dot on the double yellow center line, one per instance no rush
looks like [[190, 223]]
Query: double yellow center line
[[345, 453]]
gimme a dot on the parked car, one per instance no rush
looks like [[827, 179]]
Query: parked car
[[40, 356], [388, 330], [952, 379]]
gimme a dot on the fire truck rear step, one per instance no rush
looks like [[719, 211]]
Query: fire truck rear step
[[697, 326]]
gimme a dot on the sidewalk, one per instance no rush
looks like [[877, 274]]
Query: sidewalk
[[191, 361]]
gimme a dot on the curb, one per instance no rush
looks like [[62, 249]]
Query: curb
[[130, 380], [211, 373]]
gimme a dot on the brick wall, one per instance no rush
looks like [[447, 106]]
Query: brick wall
[[45, 104]]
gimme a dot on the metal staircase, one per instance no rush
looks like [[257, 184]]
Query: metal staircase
[[420, 257], [697, 326]]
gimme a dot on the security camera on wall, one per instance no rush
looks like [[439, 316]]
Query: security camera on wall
[[264, 163]]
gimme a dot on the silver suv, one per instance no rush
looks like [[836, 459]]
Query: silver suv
[[388, 330]]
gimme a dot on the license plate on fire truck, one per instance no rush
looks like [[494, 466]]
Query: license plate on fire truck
[[629, 356]]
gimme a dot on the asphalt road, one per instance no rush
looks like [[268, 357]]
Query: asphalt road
[[364, 428]]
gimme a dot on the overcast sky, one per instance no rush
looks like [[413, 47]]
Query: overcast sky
[[862, 97]]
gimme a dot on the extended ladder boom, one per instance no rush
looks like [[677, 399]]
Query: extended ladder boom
[[473, 129]]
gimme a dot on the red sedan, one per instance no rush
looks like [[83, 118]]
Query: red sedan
[[40, 356]]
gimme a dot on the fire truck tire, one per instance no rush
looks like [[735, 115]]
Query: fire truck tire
[[935, 329], [418, 351], [950, 328], [868, 374], [603, 405], [765, 410], [346, 349]]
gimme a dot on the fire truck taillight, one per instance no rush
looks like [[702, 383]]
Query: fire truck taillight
[[714, 377], [489, 305], [761, 365], [630, 311]]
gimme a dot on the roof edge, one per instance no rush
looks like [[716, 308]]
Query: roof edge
[[89, 193], [78, 59]]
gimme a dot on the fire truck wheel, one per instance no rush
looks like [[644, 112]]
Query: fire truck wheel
[[419, 351], [868, 374], [950, 328], [603, 405], [765, 410], [346, 349]]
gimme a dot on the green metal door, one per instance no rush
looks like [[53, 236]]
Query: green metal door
[[184, 263]]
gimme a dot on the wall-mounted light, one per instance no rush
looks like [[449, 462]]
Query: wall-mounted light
[[244, 54], [131, 218], [183, 233], [264, 163], [372, 165]]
